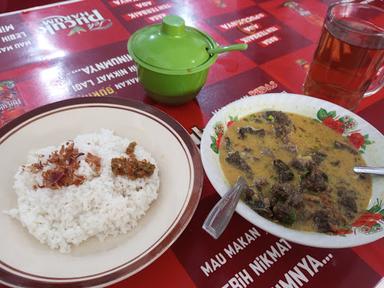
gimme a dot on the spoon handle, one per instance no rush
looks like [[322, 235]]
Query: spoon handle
[[222, 49], [220, 215], [369, 170]]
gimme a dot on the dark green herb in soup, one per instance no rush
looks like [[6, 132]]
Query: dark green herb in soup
[[300, 172]]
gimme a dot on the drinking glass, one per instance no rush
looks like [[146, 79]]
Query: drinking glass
[[349, 61]]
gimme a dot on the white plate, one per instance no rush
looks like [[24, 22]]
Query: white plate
[[26, 262], [364, 231]]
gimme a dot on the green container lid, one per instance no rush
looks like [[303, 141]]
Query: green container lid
[[171, 46]]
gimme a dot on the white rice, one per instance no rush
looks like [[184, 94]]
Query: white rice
[[102, 206]]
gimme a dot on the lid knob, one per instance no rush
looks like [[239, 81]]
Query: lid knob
[[173, 25]]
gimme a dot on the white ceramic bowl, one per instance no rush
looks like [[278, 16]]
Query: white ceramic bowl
[[369, 228]]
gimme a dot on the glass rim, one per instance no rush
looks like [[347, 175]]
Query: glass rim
[[340, 3]]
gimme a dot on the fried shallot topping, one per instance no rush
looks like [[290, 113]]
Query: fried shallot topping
[[36, 167], [131, 149], [131, 167], [65, 163], [94, 161]]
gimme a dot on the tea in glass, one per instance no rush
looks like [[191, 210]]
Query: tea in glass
[[349, 56]]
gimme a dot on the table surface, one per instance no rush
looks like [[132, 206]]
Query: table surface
[[42, 63]]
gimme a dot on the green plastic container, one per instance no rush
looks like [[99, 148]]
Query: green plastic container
[[173, 59]]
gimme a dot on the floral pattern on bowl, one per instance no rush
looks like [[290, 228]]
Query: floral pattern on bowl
[[371, 221], [345, 125]]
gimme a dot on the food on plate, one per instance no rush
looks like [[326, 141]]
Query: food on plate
[[131, 166], [299, 171], [69, 193]]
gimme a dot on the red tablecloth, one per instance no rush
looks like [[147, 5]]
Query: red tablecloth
[[42, 61]]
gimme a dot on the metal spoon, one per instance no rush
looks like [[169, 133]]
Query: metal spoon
[[220, 215], [369, 170]]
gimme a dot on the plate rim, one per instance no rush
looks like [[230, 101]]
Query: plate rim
[[183, 217], [242, 208]]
